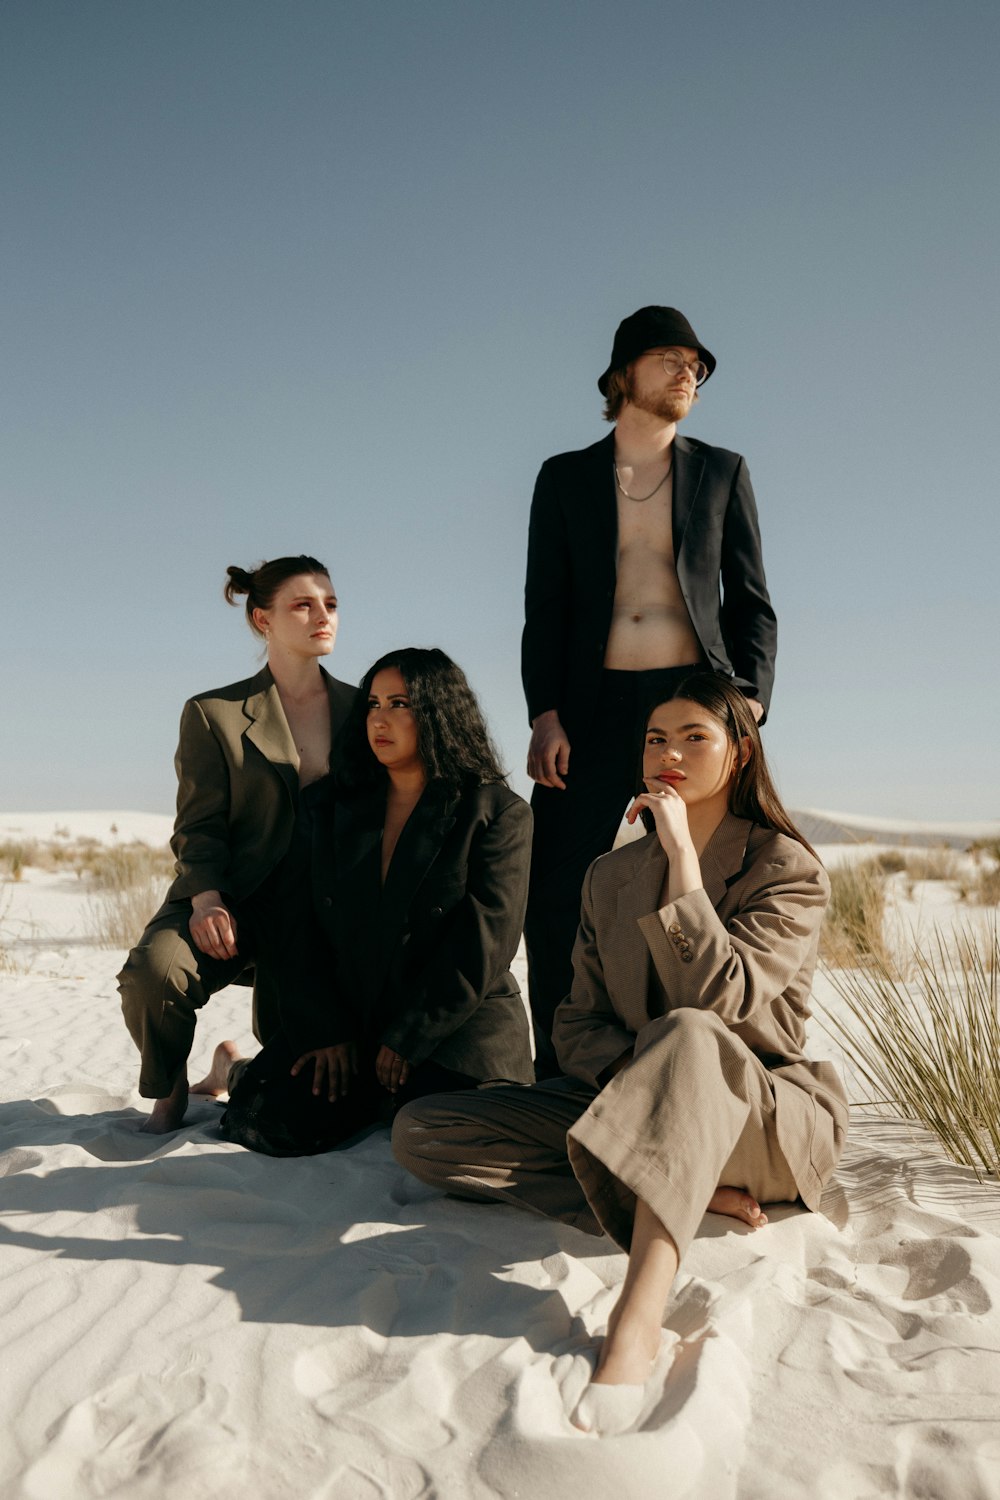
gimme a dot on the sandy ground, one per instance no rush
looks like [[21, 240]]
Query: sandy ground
[[182, 1318]]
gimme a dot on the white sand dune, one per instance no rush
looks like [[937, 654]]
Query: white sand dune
[[106, 827], [183, 1318]]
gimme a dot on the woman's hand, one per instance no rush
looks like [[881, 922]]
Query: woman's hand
[[670, 819], [391, 1070], [213, 926], [333, 1069]]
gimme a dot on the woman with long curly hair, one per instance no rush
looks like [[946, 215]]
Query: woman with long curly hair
[[687, 1087], [420, 876]]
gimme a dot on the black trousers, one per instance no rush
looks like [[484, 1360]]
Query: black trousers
[[574, 826], [272, 1112]]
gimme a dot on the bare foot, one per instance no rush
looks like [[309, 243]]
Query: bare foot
[[168, 1113], [622, 1385], [737, 1203], [627, 1353], [216, 1080]]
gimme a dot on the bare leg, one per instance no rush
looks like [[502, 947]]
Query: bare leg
[[168, 1113], [633, 1337], [614, 1399], [737, 1203], [216, 1080]]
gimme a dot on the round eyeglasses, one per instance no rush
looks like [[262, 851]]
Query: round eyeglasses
[[675, 364]]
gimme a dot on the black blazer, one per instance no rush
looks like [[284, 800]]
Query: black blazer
[[570, 587], [423, 964]]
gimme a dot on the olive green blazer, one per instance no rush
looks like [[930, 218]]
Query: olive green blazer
[[237, 785]]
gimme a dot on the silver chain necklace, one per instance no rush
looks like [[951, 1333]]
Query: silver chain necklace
[[640, 498]]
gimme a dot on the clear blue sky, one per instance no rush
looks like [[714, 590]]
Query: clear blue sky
[[337, 277]]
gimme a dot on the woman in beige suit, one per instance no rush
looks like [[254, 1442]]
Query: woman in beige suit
[[247, 757], [687, 1087]]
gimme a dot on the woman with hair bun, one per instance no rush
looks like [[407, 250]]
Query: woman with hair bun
[[247, 760], [420, 881]]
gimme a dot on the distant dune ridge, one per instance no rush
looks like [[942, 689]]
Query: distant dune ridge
[[818, 827], [848, 828], [180, 1317]]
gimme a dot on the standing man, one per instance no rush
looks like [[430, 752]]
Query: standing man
[[628, 545]]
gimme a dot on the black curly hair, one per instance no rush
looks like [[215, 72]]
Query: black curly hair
[[454, 743]]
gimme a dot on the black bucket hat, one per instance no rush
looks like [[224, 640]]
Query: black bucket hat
[[647, 329]]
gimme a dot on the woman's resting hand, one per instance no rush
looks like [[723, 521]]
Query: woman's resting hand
[[391, 1070], [333, 1069], [212, 925]]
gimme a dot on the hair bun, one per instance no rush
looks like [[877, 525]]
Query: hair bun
[[238, 581]]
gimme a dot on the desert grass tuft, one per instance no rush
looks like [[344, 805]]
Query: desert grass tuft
[[16, 854], [930, 1049], [981, 886], [129, 883], [935, 863], [853, 931], [7, 964]]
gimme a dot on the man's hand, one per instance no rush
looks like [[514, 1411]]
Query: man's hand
[[757, 709], [212, 925], [548, 753], [333, 1069], [391, 1070]]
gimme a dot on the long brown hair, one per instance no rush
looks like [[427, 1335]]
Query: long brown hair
[[752, 793]]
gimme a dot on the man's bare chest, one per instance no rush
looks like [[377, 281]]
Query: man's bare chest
[[645, 528]]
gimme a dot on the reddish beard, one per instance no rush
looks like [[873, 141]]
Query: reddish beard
[[668, 406]]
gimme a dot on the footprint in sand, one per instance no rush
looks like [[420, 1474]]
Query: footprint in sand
[[362, 1384], [141, 1436], [380, 1478]]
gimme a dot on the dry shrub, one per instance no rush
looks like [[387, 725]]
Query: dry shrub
[[936, 863], [930, 1049], [889, 861], [16, 853], [7, 964], [129, 882], [982, 886], [853, 930]]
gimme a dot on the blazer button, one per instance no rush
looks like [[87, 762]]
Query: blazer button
[[435, 911], [686, 956], [674, 927], [327, 900]]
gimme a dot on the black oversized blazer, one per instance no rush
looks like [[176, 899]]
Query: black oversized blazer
[[423, 964], [572, 570]]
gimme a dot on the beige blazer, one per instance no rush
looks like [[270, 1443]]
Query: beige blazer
[[744, 946], [237, 785]]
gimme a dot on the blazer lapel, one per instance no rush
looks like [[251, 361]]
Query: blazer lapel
[[342, 699], [419, 845], [357, 835], [723, 856], [269, 731], [689, 465], [602, 534], [413, 858]]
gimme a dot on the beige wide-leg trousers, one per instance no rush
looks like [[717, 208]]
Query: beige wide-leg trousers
[[692, 1111]]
